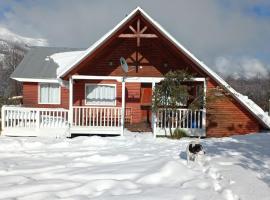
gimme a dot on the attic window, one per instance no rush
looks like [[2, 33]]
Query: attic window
[[49, 93]]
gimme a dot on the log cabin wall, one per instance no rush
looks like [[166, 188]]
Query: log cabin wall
[[225, 117], [30, 97], [152, 59]]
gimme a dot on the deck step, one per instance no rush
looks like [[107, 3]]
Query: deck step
[[139, 127]]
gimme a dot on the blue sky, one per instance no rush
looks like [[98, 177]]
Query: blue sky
[[260, 10], [236, 30]]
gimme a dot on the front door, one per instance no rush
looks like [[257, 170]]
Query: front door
[[146, 102]]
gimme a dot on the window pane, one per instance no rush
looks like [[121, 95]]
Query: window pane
[[49, 93], [100, 94], [44, 93], [54, 93]]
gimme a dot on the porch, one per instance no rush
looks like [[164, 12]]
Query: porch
[[23, 121], [129, 107]]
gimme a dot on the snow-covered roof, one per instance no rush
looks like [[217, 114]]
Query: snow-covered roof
[[65, 59], [42, 63]]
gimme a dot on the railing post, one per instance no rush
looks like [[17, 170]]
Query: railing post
[[204, 109], [38, 119], [204, 119], [123, 106], [3, 120]]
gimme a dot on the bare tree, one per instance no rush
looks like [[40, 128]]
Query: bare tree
[[12, 58], [257, 89]]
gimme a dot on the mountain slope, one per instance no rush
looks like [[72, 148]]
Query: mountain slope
[[8, 36], [12, 49]]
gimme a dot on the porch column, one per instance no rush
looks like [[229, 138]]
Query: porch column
[[204, 108], [70, 113], [123, 106], [154, 116]]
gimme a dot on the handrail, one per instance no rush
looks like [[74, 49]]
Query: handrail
[[14, 107]]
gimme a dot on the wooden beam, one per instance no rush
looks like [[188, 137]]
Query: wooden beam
[[148, 36], [138, 31], [138, 25], [130, 35], [127, 35], [138, 34], [132, 29], [144, 29]]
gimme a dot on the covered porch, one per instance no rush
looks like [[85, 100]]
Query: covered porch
[[82, 118]]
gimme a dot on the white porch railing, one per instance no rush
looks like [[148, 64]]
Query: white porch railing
[[84, 116], [22, 117], [24, 121], [97, 116], [193, 121]]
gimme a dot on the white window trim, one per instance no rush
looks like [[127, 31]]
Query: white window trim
[[91, 104], [39, 102]]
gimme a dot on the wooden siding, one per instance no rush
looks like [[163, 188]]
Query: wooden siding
[[152, 59], [30, 97], [225, 117]]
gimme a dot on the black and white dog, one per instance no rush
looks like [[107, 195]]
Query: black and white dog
[[194, 151]]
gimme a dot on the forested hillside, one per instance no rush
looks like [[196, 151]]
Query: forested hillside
[[257, 89]]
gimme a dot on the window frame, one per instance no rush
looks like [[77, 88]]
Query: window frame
[[99, 84], [48, 103]]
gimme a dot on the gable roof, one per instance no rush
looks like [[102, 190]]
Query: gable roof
[[252, 107], [37, 63]]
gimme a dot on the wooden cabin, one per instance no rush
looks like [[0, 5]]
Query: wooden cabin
[[77, 91]]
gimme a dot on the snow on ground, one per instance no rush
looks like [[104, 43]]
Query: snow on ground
[[136, 166]]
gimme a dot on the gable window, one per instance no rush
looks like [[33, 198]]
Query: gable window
[[100, 94], [49, 93]]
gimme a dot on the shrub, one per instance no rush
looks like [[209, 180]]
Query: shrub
[[179, 133]]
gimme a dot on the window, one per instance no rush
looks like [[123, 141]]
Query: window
[[100, 94], [49, 93]]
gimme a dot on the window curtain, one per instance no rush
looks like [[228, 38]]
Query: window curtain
[[44, 93], [100, 94], [49, 93]]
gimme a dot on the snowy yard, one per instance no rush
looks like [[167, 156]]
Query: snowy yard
[[133, 167]]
